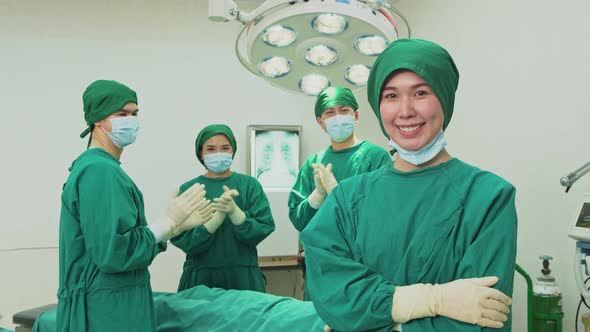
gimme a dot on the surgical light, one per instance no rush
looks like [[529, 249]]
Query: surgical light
[[279, 36], [370, 45], [274, 67], [312, 84], [321, 55], [303, 46], [357, 75], [329, 24]]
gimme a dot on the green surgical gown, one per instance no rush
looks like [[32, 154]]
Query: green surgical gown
[[361, 158], [228, 258], [389, 228], [105, 249]]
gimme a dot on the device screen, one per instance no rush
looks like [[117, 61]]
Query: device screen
[[584, 217]]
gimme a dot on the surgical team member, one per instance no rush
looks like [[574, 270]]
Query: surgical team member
[[421, 243], [337, 113], [222, 253], [105, 244]]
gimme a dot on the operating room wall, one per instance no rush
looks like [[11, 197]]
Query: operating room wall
[[520, 112]]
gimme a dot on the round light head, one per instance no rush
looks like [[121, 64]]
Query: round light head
[[304, 46], [329, 24], [321, 55], [370, 45], [278, 36], [312, 84], [357, 75], [274, 67]]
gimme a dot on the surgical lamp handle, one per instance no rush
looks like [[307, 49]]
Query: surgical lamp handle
[[568, 180]]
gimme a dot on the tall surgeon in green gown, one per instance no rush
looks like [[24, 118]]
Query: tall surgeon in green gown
[[430, 243], [105, 243], [337, 113], [222, 253]]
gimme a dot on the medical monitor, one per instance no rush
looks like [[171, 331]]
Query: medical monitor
[[580, 229]]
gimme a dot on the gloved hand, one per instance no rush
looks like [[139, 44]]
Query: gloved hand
[[327, 328], [467, 300], [226, 204], [328, 180], [179, 209], [319, 185], [217, 219], [318, 195], [202, 215]]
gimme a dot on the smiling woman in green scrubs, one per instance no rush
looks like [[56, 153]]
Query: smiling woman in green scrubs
[[429, 243]]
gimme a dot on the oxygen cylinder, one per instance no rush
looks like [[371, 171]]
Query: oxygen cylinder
[[547, 303]]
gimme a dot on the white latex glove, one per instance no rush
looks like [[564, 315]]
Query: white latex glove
[[327, 178], [318, 195], [319, 186], [217, 219], [202, 215], [467, 300], [327, 328], [179, 209], [226, 204]]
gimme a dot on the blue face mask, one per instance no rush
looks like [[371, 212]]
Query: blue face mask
[[217, 162], [340, 127], [124, 130], [425, 154]]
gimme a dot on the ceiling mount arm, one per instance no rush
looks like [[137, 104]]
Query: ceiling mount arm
[[226, 10]]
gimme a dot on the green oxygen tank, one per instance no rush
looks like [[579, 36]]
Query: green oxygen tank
[[547, 304]]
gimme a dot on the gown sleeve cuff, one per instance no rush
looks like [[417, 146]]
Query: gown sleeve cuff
[[316, 199], [161, 230]]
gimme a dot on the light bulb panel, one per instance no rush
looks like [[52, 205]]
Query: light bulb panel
[[340, 49], [278, 36]]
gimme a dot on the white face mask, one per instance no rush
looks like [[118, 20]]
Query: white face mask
[[340, 127], [123, 130], [217, 162], [425, 154]]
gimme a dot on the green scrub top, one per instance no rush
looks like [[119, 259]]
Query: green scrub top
[[361, 158], [105, 249], [389, 228], [228, 258]]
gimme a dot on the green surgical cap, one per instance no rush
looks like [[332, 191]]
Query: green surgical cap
[[210, 131], [428, 60], [103, 98], [333, 96]]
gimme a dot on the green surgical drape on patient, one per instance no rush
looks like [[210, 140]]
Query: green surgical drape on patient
[[388, 228], [228, 258], [104, 250], [362, 158], [216, 310]]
